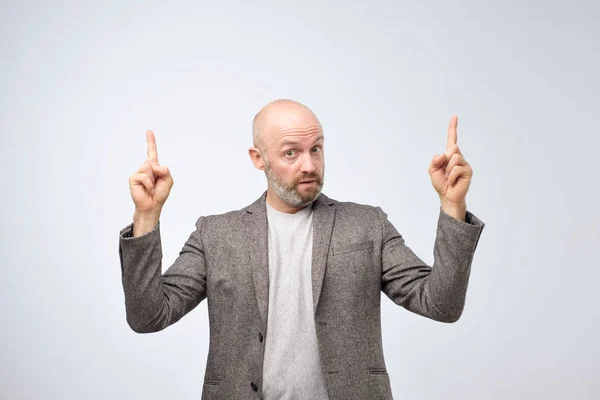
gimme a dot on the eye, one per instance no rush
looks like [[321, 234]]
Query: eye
[[290, 153], [317, 149]]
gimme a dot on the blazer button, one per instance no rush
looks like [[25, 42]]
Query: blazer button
[[253, 386], [260, 336]]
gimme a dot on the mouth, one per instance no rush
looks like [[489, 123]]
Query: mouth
[[308, 181]]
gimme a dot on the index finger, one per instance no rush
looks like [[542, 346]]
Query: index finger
[[151, 142], [452, 135]]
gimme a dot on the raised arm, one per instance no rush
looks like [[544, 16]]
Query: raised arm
[[154, 301], [437, 292]]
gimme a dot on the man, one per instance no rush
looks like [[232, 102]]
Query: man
[[293, 281]]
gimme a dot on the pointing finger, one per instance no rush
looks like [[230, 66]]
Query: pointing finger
[[151, 142], [452, 135]]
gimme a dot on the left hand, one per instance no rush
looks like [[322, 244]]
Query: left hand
[[450, 173]]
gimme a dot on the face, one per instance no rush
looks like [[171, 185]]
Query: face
[[296, 184], [293, 157]]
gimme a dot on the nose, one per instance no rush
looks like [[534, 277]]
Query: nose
[[307, 166]]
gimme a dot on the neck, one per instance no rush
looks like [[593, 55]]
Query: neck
[[280, 205]]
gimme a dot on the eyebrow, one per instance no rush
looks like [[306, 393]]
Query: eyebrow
[[287, 142]]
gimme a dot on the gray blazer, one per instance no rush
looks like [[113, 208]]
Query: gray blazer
[[357, 254]]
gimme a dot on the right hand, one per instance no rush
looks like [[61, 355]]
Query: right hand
[[151, 184]]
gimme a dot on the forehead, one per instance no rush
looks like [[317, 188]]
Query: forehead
[[291, 126], [308, 136]]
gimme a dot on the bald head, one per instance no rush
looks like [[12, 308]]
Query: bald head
[[278, 116]]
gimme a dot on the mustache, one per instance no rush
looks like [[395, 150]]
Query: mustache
[[308, 177]]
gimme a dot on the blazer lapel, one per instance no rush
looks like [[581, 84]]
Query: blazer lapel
[[258, 247], [257, 239], [323, 217]]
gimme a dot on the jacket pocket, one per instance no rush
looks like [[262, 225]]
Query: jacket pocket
[[379, 384], [211, 390], [378, 371]]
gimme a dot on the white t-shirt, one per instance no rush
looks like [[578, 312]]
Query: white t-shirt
[[291, 368]]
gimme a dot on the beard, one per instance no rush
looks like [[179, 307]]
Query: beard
[[289, 193]]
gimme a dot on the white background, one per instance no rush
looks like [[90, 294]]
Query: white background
[[80, 82]]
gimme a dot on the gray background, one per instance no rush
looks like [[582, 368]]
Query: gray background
[[81, 82]]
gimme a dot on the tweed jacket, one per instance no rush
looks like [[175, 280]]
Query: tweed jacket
[[357, 254]]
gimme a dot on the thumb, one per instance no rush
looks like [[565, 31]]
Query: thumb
[[160, 170], [437, 162]]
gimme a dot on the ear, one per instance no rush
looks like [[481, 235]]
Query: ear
[[256, 158]]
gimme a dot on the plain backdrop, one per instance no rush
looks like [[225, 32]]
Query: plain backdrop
[[80, 82]]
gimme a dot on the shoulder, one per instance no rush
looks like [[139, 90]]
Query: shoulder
[[214, 222], [356, 211], [225, 220]]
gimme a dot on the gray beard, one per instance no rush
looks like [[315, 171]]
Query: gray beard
[[289, 194]]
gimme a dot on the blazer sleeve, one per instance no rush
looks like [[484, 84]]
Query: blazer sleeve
[[439, 291], [154, 301]]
